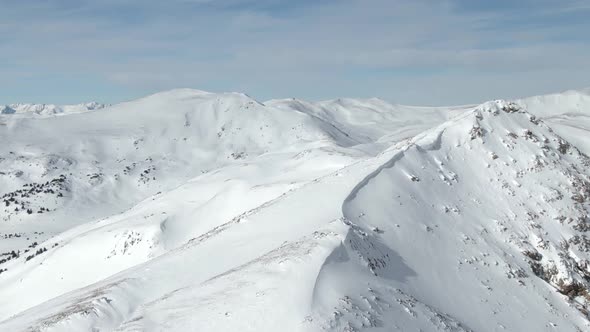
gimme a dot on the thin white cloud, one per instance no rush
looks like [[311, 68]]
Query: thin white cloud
[[230, 45]]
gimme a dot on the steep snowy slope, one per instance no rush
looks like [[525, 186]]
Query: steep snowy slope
[[488, 214], [476, 225]]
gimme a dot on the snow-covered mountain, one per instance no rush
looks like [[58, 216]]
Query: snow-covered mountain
[[565, 112], [188, 210], [49, 109]]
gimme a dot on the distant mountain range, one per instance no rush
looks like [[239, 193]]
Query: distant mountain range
[[49, 109]]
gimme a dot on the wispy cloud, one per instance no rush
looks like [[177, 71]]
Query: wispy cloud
[[277, 48]]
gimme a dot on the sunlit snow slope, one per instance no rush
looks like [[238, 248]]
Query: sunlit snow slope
[[193, 211]]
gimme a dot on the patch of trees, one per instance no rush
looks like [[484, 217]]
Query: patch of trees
[[7, 256], [20, 198], [38, 252], [13, 235]]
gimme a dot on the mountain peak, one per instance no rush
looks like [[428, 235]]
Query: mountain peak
[[5, 109]]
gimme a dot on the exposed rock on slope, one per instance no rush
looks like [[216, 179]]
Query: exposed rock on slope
[[568, 113], [482, 222]]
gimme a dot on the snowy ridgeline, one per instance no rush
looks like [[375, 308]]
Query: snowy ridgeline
[[189, 210], [48, 109]]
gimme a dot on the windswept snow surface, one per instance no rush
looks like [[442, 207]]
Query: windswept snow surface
[[193, 211]]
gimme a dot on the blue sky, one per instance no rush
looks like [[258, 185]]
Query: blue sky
[[425, 52]]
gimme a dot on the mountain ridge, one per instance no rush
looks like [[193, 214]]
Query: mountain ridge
[[437, 227], [49, 109]]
